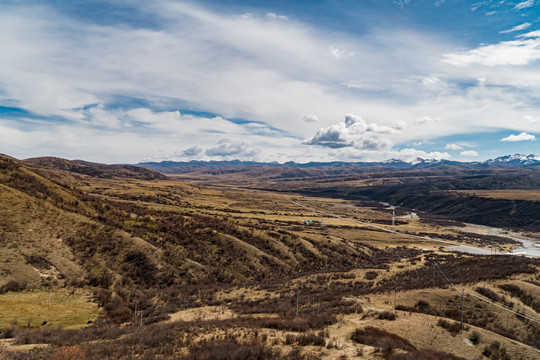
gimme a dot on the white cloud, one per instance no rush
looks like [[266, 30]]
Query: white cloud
[[520, 27], [340, 53], [431, 81], [515, 52], [531, 119], [426, 120], [521, 137], [256, 67], [412, 155], [469, 153], [524, 5], [276, 16], [227, 148], [354, 132], [453, 147]]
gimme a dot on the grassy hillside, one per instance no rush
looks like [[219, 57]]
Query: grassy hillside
[[168, 269]]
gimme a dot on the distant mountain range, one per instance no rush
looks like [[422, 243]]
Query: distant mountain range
[[508, 161]]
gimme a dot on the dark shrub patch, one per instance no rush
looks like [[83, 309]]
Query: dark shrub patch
[[387, 315], [451, 326], [381, 338], [12, 285]]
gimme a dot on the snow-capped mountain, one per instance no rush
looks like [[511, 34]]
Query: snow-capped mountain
[[516, 159]]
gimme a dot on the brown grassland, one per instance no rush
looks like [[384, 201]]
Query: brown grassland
[[166, 269]]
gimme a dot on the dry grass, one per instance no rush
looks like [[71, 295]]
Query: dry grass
[[31, 308]]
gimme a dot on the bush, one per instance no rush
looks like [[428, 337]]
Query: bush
[[381, 338], [305, 339], [453, 327], [475, 337], [13, 285], [387, 315], [495, 352], [422, 305], [371, 275]]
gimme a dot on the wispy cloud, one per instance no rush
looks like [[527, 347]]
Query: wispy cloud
[[469, 153], [524, 5], [122, 91], [516, 52], [521, 137], [519, 27]]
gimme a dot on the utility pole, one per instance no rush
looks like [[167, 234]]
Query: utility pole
[[433, 274], [297, 296], [462, 305], [393, 217]]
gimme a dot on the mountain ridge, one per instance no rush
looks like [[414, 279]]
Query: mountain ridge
[[516, 160]]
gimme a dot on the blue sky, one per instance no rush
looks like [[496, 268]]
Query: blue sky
[[128, 80]]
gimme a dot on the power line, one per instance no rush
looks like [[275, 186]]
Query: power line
[[528, 317]]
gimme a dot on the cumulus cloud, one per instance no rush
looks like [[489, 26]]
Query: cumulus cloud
[[414, 155], [453, 147], [310, 118], [524, 5], [257, 67], [516, 28], [521, 137], [516, 52], [192, 151], [232, 148], [354, 132], [469, 153]]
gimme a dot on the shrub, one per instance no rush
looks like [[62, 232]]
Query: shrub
[[495, 352], [305, 339], [371, 275], [387, 315], [381, 338], [453, 327], [13, 285], [475, 337]]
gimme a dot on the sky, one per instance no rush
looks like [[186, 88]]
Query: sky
[[126, 81]]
